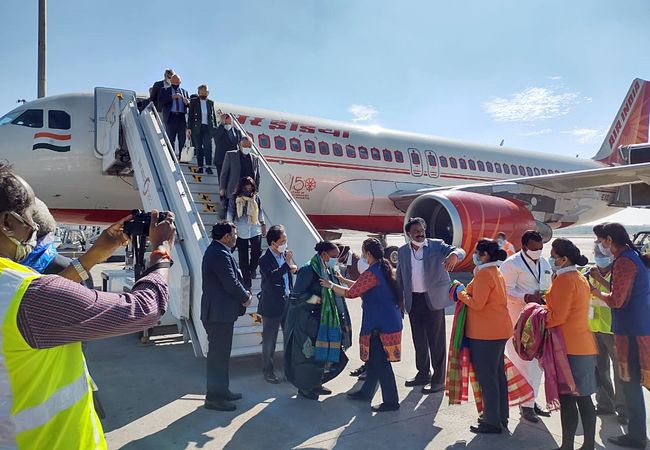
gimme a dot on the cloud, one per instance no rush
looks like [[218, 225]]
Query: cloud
[[587, 135], [537, 132], [362, 113], [532, 104]]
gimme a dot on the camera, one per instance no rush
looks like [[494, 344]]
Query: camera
[[139, 224]]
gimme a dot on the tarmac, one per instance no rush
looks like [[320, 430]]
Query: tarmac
[[153, 397]]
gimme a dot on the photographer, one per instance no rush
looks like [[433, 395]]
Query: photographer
[[45, 318]]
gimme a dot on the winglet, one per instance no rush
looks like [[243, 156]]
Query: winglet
[[630, 125]]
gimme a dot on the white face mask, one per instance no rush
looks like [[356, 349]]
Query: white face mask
[[228, 127], [362, 265], [603, 250], [282, 248], [534, 254], [246, 150], [501, 242], [418, 244], [603, 262]]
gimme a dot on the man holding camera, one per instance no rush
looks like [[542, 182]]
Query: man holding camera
[[224, 299], [48, 401]]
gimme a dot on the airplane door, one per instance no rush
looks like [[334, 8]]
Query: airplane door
[[416, 162], [432, 162]]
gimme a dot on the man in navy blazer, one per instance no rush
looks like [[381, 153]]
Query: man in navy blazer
[[175, 101], [423, 268], [277, 269], [224, 299]]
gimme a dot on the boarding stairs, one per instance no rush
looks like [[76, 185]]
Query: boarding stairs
[[165, 184]]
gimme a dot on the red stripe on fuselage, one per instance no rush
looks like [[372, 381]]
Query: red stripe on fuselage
[[58, 137]]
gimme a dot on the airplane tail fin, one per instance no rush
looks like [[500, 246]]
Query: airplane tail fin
[[630, 124]]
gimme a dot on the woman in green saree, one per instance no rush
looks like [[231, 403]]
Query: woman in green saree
[[313, 352]]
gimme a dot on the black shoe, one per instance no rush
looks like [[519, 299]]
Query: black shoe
[[417, 381], [220, 405], [358, 372], [385, 407], [358, 395], [486, 428], [529, 414], [504, 422], [433, 388], [626, 441], [271, 378], [253, 274], [209, 171], [309, 395], [230, 396], [541, 412], [604, 411], [199, 170], [622, 418], [320, 390]]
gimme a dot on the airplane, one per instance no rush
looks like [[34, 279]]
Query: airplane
[[349, 176]]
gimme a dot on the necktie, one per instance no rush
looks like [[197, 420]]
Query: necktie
[[178, 104]]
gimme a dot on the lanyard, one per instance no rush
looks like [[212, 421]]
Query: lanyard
[[539, 269]]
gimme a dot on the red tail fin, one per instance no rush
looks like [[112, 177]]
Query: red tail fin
[[630, 125]]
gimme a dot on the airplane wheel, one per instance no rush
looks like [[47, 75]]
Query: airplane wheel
[[391, 255]]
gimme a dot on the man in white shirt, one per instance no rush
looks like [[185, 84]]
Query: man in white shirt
[[423, 281], [201, 121], [527, 276]]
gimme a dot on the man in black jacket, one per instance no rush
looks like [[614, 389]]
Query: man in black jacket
[[224, 299], [226, 138], [201, 120], [277, 269], [158, 86], [174, 101]]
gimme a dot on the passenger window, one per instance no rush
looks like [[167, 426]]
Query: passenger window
[[58, 120], [513, 169], [295, 145], [264, 141], [443, 161], [350, 151], [472, 164], [506, 169], [324, 148], [544, 172], [32, 118], [337, 149], [489, 166], [310, 147], [481, 166], [529, 171], [453, 163], [399, 156], [280, 143], [463, 164], [497, 167], [432, 160], [536, 171], [522, 171], [363, 152], [374, 152], [388, 156]]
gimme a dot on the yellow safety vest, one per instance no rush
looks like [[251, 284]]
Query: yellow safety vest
[[600, 315], [45, 397]]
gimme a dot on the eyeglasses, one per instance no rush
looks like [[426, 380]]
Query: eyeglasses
[[33, 228]]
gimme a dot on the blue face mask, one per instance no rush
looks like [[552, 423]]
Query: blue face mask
[[603, 250], [477, 262], [332, 263], [603, 262], [554, 267]]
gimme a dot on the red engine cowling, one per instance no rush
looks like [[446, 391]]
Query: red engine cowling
[[462, 218]]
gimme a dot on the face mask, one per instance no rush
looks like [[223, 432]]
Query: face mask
[[603, 262], [418, 244], [477, 262], [203, 97], [175, 86], [362, 265], [603, 250], [23, 249], [552, 262], [248, 194], [501, 242], [282, 248], [228, 127], [534, 254], [246, 150], [332, 263]]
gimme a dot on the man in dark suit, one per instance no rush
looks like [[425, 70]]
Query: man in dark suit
[[201, 120], [157, 88], [175, 101], [277, 269], [224, 299], [237, 165], [226, 138]]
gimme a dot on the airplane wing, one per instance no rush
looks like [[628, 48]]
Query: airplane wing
[[559, 183]]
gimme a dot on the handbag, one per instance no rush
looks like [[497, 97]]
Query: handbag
[[187, 154]]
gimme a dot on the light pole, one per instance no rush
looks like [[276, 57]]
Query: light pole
[[42, 38]]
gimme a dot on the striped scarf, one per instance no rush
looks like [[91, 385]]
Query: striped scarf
[[328, 340]]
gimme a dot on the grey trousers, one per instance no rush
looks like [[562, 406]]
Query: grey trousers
[[608, 397], [270, 327]]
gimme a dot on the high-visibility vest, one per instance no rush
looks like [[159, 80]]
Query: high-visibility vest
[[45, 398], [509, 248], [600, 314]]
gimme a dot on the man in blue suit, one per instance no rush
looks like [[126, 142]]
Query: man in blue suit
[[174, 101], [224, 299], [423, 268]]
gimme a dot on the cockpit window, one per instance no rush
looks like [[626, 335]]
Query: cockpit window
[[58, 120], [9, 117], [32, 118]]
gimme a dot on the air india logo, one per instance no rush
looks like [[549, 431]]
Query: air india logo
[[301, 187]]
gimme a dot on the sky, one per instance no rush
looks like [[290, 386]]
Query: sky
[[545, 76]]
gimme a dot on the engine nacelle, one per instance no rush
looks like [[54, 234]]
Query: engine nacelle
[[462, 218]]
